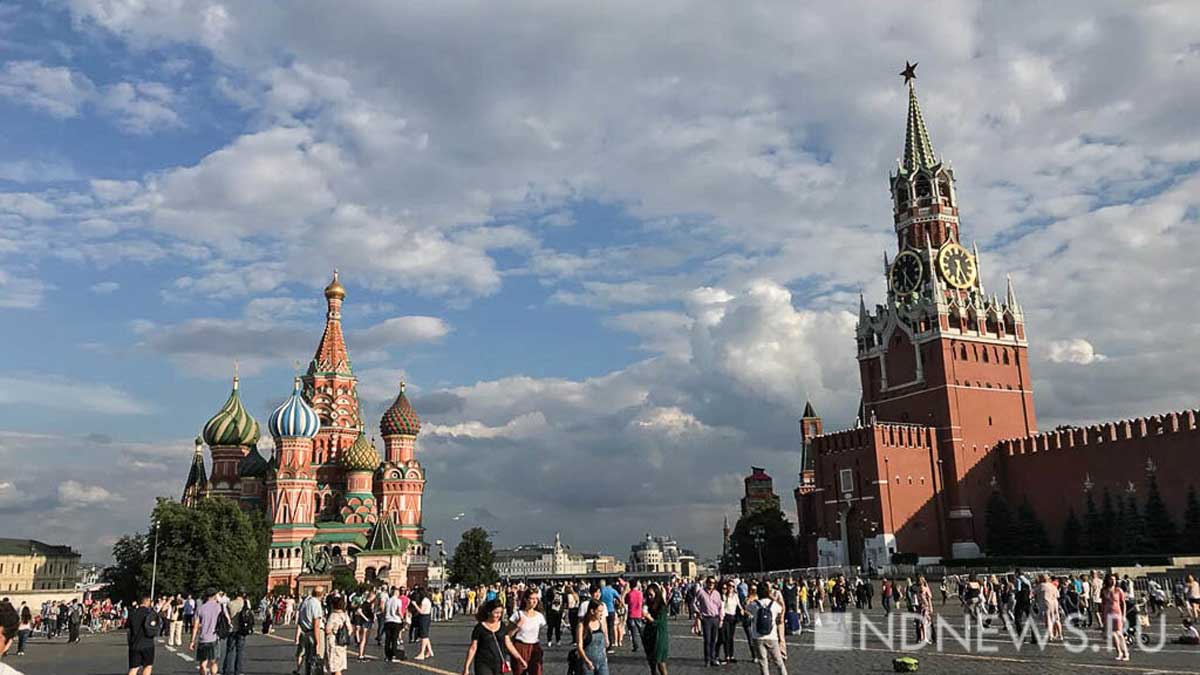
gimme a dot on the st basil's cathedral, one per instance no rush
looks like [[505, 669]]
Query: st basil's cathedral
[[324, 487]]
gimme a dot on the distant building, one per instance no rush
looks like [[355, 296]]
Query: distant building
[[760, 492], [29, 565], [661, 555], [539, 560], [603, 563]]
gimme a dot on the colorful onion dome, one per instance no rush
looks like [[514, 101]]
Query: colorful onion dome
[[335, 288], [361, 456], [294, 418], [232, 425], [400, 418], [253, 465]]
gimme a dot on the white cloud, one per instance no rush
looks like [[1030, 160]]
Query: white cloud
[[75, 494], [10, 495], [140, 108], [105, 287], [55, 89], [51, 391], [1076, 350]]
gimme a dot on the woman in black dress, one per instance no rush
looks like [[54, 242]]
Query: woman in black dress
[[485, 651]]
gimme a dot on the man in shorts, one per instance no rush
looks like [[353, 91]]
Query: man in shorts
[[143, 625], [204, 633]]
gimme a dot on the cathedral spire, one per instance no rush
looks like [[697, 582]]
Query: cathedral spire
[[331, 356], [918, 149]]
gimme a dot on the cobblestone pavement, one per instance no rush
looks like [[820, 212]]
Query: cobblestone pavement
[[105, 655]]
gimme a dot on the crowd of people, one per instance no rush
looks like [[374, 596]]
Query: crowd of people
[[515, 623]]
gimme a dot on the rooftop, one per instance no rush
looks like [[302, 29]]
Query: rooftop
[[33, 547]]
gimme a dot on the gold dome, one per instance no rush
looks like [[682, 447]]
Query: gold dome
[[335, 288]]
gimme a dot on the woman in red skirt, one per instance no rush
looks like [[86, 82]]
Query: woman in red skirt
[[527, 623]]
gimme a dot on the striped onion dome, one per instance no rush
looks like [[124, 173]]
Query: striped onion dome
[[361, 456], [232, 425], [294, 418], [400, 419]]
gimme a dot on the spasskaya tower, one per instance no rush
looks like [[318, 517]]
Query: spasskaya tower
[[941, 352]]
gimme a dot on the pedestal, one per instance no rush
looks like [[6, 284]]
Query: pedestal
[[305, 583]]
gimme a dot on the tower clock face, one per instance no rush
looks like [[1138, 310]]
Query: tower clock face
[[907, 273], [957, 265]]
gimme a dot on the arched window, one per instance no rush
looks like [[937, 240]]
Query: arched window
[[923, 189], [963, 353], [1006, 357], [902, 198], [944, 192], [985, 355]]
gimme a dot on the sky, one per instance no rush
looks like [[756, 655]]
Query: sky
[[612, 247]]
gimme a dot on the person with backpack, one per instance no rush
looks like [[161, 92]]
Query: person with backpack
[[143, 625], [766, 614], [338, 637], [242, 618]]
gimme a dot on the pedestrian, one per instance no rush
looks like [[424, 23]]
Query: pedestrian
[[707, 608], [204, 632], [731, 610], [363, 619], [310, 633], [24, 628], [1113, 608], [1048, 606], [591, 641], [766, 619], [188, 613], [635, 602], [923, 602], [242, 617], [656, 638], [394, 612], [553, 601], [10, 620], [572, 605], [175, 619], [143, 626], [74, 621], [422, 617], [609, 596], [524, 635], [485, 652], [266, 610], [338, 637], [1192, 591]]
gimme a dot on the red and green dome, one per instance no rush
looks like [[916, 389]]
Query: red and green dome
[[400, 419], [361, 456]]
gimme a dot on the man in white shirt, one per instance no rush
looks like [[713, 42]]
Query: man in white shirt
[[9, 621], [766, 626]]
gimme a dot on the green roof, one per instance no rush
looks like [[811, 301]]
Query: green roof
[[385, 540], [918, 149], [357, 538], [33, 547]]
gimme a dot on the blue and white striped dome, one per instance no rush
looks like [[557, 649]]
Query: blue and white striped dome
[[294, 418]]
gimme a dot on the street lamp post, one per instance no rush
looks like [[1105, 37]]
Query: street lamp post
[[154, 566], [442, 560], [758, 532]]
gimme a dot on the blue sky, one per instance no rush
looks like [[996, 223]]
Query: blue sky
[[613, 249]]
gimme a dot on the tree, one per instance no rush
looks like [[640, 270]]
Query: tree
[[1161, 536], [1133, 526], [215, 544], [123, 578], [1072, 534], [1190, 537], [1112, 529], [473, 562], [999, 525], [1093, 527], [1033, 539], [779, 549]]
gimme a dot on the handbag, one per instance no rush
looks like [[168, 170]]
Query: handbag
[[505, 667]]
